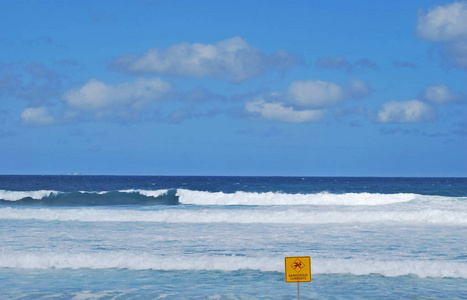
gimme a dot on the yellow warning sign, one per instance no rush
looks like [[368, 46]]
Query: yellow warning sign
[[297, 269]]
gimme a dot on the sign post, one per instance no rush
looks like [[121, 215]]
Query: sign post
[[298, 269]]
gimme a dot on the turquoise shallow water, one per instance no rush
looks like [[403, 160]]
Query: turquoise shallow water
[[99, 237], [243, 284]]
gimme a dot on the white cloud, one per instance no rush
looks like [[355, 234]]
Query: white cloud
[[322, 94], [36, 116], [443, 23], [314, 94], [447, 25], [357, 89], [305, 101], [413, 111], [233, 59], [96, 95], [440, 94], [124, 102], [278, 112]]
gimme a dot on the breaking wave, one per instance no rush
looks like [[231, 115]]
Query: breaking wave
[[19, 195], [270, 198], [142, 261], [85, 198], [189, 197], [237, 216]]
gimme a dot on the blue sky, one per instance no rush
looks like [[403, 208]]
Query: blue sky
[[283, 88]]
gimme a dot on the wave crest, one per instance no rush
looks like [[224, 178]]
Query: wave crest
[[191, 197], [18, 195], [88, 198], [270, 198], [141, 261], [203, 216]]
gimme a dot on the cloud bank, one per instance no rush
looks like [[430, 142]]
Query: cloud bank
[[447, 26], [305, 101], [418, 110], [95, 95], [440, 94], [279, 112], [323, 94], [232, 59], [96, 100], [36, 116], [413, 111]]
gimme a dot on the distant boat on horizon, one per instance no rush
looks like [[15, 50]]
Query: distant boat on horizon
[[72, 174]]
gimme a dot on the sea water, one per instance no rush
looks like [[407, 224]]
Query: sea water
[[138, 237]]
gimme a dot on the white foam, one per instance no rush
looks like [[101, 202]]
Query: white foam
[[420, 268], [240, 216], [143, 261], [270, 198], [98, 193], [18, 195], [146, 193]]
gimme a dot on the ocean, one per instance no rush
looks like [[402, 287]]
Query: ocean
[[181, 237]]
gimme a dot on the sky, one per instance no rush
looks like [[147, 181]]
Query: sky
[[241, 88]]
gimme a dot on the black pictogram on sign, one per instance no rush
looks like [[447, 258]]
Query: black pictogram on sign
[[297, 265]]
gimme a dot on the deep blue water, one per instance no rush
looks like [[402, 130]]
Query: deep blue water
[[423, 185]]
